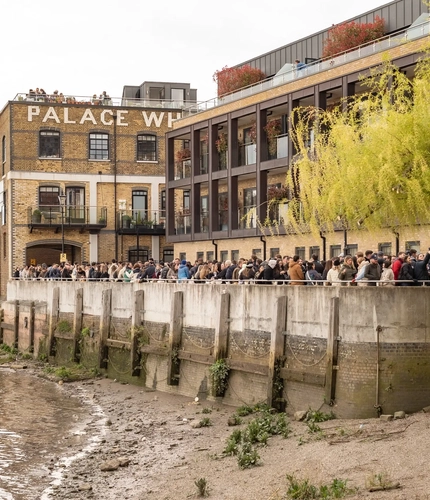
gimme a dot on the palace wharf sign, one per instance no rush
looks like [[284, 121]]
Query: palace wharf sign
[[101, 117]]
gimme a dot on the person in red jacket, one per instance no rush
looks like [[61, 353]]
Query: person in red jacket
[[397, 264]]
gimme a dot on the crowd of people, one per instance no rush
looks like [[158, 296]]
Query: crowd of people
[[39, 94], [362, 269]]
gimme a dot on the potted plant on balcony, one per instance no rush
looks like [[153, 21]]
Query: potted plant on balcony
[[273, 129], [277, 193], [221, 145], [36, 216], [125, 221], [102, 220]]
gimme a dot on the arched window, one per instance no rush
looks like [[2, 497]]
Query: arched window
[[146, 147], [99, 146], [49, 144]]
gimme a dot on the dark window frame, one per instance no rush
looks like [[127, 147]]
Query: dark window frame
[[48, 196], [49, 144], [98, 146], [147, 148]]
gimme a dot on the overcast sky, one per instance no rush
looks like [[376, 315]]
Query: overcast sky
[[84, 47]]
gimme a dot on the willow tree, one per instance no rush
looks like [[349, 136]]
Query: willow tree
[[368, 165]]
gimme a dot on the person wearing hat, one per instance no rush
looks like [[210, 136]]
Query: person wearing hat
[[183, 272], [373, 270]]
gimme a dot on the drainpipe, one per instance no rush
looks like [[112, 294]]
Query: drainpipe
[[114, 116], [324, 244], [216, 249], [263, 239], [397, 243]]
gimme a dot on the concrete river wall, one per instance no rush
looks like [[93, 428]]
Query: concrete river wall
[[359, 351]]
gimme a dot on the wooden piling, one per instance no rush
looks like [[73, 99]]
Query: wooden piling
[[136, 322], [332, 351], [53, 320], [175, 337], [77, 323], [105, 318], [277, 341]]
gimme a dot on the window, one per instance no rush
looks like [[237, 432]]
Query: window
[[274, 252], [257, 252], [49, 144], [48, 196], [134, 255], [223, 255], [335, 251], [168, 255], [4, 245], [146, 147], [412, 245], [163, 204], [140, 205], [210, 256], [199, 255], [235, 255], [351, 249], [182, 256], [386, 248], [3, 154], [314, 251], [186, 201], [178, 97], [300, 251], [99, 146]]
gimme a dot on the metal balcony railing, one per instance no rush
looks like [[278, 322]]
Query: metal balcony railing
[[142, 219], [69, 215], [101, 101]]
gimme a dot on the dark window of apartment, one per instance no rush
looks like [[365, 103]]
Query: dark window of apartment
[[139, 200], [223, 255], [274, 252], [49, 144], [134, 255], [99, 146], [235, 255], [4, 245], [210, 256], [163, 203], [186, 200], [199, 255], [4, 207], [48, 196], [146, 147], [257, 252], [412, 245], [386, 248], [300, 251], [351, 249], [3, 154], [314, 250], [168, 254], [335, 251], [182, 256]]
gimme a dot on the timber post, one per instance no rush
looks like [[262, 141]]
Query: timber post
[[332, 351], [105, 318], [222, 327], [277, 341], [175, 338], [53, 320], [136, 322], [77, 323]]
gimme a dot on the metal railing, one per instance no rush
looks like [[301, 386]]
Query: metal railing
[[142, 219], [69, 215], [365, 50], [101, 101]]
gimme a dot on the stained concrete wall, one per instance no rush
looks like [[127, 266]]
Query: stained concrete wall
[[361, 350]]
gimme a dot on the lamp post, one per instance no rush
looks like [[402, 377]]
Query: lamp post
[[62, 200]]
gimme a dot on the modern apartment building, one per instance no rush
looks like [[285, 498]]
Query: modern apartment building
[[228, 157], [83, 178]]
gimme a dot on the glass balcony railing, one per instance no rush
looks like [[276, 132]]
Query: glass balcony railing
[[279, 149], [375, 47], [69, 215], [247, 154], [182, 169]]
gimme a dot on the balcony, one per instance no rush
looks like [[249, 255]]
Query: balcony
[[141, 221], [72, 216], [290, 73]]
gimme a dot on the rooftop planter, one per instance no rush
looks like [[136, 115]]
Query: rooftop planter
[[232, 79]]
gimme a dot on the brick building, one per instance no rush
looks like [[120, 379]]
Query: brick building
[[216, 197], [85, 177]]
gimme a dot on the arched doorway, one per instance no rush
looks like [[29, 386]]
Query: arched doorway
[[48, 251]]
